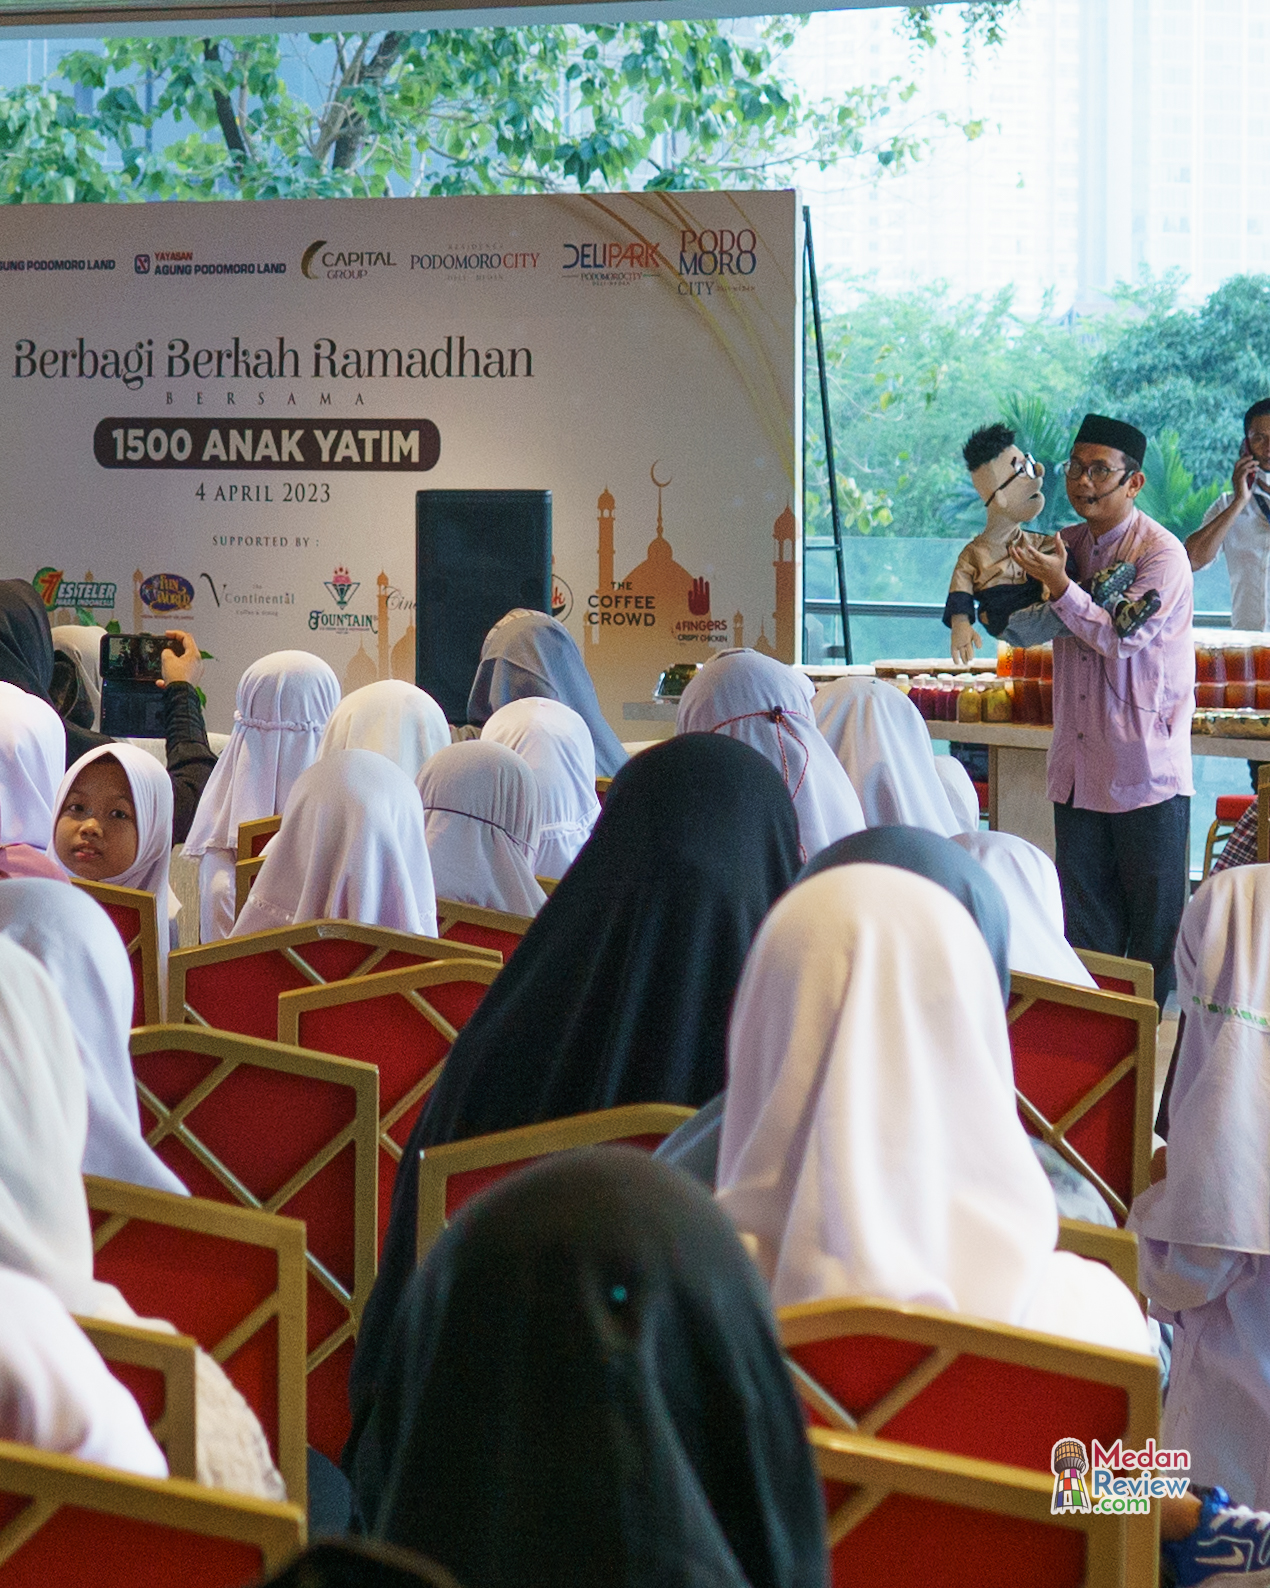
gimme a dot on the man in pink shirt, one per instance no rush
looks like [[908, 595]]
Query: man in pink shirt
[[1120, 763]]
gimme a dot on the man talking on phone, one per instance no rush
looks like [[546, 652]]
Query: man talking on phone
[[1119, 769], [1238, 523]]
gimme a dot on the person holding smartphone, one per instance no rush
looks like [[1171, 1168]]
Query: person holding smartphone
[[1238, 523]]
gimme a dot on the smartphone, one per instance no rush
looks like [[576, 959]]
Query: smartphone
[[131, 701]]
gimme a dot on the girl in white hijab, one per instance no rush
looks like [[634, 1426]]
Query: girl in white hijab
[[351, 848], [80, 643], [480, 806], [879, 736], [57, 1394], [32, 759], [77, 944], [1204, 1230], [871, 1144], [1029, 880], [44, 1225], [962, 794], [556, 744], [284, 703], [768, 706], [392, 717], [151, 791]]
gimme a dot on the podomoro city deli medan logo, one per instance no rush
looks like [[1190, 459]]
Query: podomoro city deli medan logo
[[1118, 1482], [57, 591], [204, 444]]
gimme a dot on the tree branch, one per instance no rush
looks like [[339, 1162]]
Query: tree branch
[[229, 127]]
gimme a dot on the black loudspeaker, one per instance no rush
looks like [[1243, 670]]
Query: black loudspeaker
[[479, 553]]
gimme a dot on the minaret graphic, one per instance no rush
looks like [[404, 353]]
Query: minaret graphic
[[783, 532], [1069, 1464], [385, 665], [605, 506]]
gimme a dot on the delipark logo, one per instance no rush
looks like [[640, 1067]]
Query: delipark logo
[[1117, 1482]]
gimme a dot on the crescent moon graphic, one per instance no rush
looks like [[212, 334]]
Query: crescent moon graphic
[[652, 474]]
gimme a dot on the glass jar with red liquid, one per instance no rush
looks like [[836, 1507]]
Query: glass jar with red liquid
[[1210, 696], [1261, 663], [1239, 665], [1210, 664], [1241, 692]]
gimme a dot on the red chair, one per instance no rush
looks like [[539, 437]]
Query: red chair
[[451, 1175], [72, 1524], [1133, 977], [488, 929], [135, 918], [232, 1278], [253, 836], [287, 1131], [401, 1021], [917, 1406], [158, 1372], [1084, 1077], [234, 985]]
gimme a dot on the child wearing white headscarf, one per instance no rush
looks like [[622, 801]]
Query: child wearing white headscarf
[[962, 794], [765, 704], [557, 746], [32, 758], [151, 790], [80, 643], [77, 944], [1204, 1230], [351, 848], [878, 734], [284, 703], [871, 1144], [44, 1225], [1028, 878], [480, 806], [392, 717]]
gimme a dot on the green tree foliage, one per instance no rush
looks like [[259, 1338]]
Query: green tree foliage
[[690, 104], [1169, 495]]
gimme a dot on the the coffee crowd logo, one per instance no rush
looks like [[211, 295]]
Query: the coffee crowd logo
[[321, 262]]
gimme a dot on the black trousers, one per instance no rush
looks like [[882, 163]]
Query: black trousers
[[1126, 879]]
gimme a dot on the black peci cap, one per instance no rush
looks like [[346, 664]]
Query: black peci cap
[[1099, 431]]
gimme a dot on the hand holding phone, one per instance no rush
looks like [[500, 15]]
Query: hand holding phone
[[181, 664]]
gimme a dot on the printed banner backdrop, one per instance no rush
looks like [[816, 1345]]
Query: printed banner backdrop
[[216, 417]]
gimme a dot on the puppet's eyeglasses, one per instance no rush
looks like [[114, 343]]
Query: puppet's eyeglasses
[[1027, 465]]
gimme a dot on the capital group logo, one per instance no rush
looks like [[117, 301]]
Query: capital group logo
[[323, 261], [1117, 1482]]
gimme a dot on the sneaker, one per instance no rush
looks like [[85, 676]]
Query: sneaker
[[1129, 616], [1107, 587], [1230, 1545]]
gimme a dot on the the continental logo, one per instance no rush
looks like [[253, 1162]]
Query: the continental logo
[[321, 262], [167, 592], [58, 591]]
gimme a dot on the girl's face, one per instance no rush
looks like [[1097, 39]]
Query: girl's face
[[96, 835]]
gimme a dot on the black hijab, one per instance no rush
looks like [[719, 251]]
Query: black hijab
[[26, 640], [585, 1390], [939, 860], [620, 991]]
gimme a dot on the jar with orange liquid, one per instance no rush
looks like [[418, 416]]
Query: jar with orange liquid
[[1238, 660]]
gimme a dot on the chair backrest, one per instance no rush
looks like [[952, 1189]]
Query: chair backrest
[[490, 929], [1115, 1249], [453, 1174], [402, 1021], [602, 786], [245, 873], [135, 918], [288, 1131], [253, 836], [230, 1277], [548, 884], [234, 985], [1084, 1074], [1134, 977], [158, 1370], [77, 1525], [916, 1379], [961, 1523]]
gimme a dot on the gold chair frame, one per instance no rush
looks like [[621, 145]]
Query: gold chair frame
[[1116, 1249], [248, 832], [450, 911], [950, 1335], [146, 942], [437, 1164], [52, 1481], [231, 1052], [876, 1470], [1139, 1062], [288, 1303], [289, 942], [602, 786], [245, 873], [171, 1355], [1263, 813], [1136, 972], [409, 983], [548, 884]]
